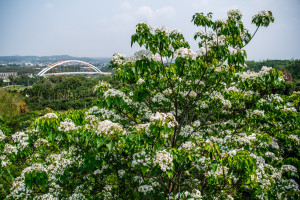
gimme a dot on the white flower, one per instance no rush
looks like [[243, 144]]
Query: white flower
[[46, 197], [21, 139], [196, 194], [294, 137], [67, 126], [234, 14], [9, 149], [160, 29], [2, 136], [141, 159], [39, 142], [102, 86], [165, 118], [118, 59], [202, 51], [108, 128], [121, 173], [50, 116], [185, 53], [145, 189], [138, 179], [140, 81], [164, 159], [188, 145], [175, 31]]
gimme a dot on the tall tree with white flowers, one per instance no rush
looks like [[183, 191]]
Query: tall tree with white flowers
[[185, 125]]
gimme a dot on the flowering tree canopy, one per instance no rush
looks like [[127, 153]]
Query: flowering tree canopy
[[185, 125]]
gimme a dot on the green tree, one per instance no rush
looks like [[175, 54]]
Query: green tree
[[184, 125]]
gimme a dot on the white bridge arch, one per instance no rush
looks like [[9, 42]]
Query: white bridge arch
[[96, 70]]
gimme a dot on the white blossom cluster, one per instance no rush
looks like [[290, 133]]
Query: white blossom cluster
[[117, 93], [107, 192], [143, 128], [275, 97], [250, 113], [50, 116], [107, 127], [232, 89], [164, 30], [138, 179], [164, 118], [159, 98], [234, 14], [67, 125], [271, 155], [121, 173], [164, 159], [45, 197], [102, 86], [118, 59], [141, 159], [58, 163], [145, 189], [146, 54], [289, 108], [234, 51], [4, 161], [185, 53], [77, 196], [140, 81], [264, 15], [195, 194], [187, 145], [19, 189], [2, 136], [186, 131], [254, 75], [41, 141], [222, 68], [289, 168], [202, 51], [295, 138], [9, 149], [105, 113], [190, 82], [184, 94], [21, 139], [218, 41], [215, 95]]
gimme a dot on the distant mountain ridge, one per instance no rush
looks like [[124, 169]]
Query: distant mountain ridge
[[55, 58]]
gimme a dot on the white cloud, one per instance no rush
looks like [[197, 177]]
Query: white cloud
[[167, 11], [150, 14], [145, 11], [49, 5], [126, 5], [123, 18]]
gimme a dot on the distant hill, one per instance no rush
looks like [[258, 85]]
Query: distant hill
[[290, 66], [55, 58]]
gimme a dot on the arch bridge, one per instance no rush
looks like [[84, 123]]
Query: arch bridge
[[63, 71]]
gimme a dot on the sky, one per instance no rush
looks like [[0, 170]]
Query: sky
[[100, 28]]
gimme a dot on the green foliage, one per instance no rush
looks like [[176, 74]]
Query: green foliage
[[182, 125], [63, 92]]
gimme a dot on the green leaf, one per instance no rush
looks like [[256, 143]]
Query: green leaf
[[100, 142], [144, 169], [110, 145], [214, 166], [170, 174]]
